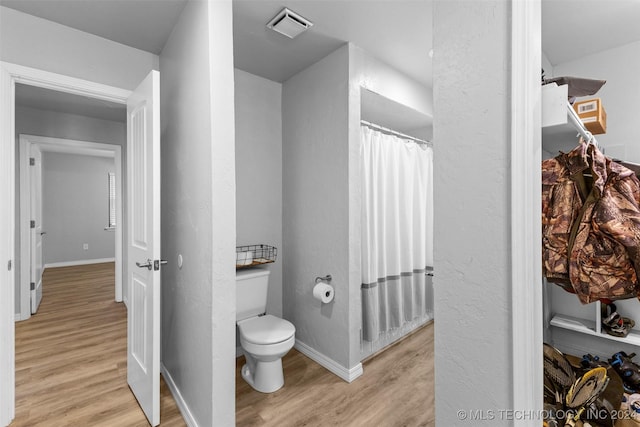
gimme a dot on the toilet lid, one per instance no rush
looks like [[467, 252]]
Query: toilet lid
[[266, 329]]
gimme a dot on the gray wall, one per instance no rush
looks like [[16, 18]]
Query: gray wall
[[473, 343], [258, 110], [198, 208], [316, 202], [75, 197], [54, 124]]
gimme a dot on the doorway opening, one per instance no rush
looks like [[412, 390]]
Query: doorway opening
[[143, 141], [31, 220], [63, 197]]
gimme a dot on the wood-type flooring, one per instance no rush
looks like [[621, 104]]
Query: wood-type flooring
[[395, 390], [71, 356], [71, 371]]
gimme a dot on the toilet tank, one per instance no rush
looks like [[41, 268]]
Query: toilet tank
[[251, 292]]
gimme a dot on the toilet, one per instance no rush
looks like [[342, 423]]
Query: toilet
[[264, 338]]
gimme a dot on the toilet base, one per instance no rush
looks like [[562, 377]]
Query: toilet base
[[265, 377]]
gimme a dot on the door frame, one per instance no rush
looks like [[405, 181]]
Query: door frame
[[10, 74], [69, 146], [526, 228]]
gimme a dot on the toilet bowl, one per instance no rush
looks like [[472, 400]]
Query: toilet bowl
[[264, 338]]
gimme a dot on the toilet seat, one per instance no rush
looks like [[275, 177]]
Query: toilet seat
[[266, 330]]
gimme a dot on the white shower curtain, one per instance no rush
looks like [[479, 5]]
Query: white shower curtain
[[397, 232]]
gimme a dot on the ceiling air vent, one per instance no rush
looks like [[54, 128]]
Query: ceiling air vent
[[289, 23]]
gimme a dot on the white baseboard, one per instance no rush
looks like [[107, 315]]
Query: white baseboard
[[79, 262], [18, 317], [239, 351], [346, 374], [177, 396]]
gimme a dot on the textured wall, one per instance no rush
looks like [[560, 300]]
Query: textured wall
[[258, 113], [223, 215], [198, 208], [316, 201], [472, 210], [75, 198]]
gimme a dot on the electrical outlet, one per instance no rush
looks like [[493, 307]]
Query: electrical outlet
[[85, 246]]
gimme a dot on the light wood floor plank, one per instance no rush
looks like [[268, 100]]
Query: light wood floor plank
[[71, 357], [396, 390]]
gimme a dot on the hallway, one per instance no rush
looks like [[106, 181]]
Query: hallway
[[71, 357]]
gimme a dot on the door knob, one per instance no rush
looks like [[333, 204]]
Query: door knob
[[148, 265], [42, 233]]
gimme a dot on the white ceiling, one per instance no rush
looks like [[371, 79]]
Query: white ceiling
[[399, 32]]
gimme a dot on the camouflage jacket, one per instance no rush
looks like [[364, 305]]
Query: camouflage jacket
[[591, 225]]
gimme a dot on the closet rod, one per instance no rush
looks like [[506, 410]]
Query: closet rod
[[401, 135]]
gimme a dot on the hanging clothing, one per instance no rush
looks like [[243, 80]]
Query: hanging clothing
[[591, 225], [397, 231], [561, 204]]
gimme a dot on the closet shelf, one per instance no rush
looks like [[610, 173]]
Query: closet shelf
[[588, 327]]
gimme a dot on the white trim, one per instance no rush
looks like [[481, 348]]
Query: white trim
[[526, 149], [79, 262], [70, 146], [7, 247], [346, 374], [239, 351], [10, 74], [48, 80], [188, 417]]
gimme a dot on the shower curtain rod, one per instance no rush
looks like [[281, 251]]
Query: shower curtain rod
[[402, 135]]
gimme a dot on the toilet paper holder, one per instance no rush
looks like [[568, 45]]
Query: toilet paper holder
[[326, 278]]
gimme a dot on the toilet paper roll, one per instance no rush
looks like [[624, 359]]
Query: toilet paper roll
[[323, 292]]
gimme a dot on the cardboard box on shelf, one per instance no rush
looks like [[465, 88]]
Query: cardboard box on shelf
[[592, 114]]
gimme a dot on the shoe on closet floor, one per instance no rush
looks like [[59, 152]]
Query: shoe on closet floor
[[613, 323], [628, 370]]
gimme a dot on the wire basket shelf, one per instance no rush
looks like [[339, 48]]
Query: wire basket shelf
[[252, 255]]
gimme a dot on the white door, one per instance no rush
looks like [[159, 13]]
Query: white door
[[143, 267], [35, 178]]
